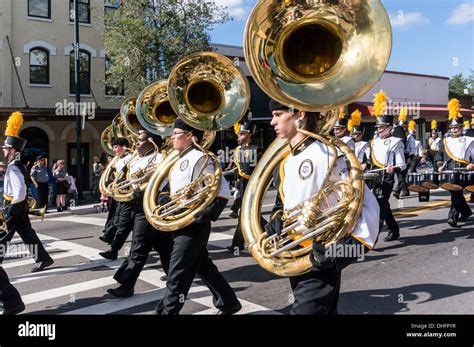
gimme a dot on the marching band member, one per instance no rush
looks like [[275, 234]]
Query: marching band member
[[245, 160], [387, 154], [144, 236], [121, 225], [317, 291], [15, 196], [413, 146], [340, 130], [470, 133], [458, 152], [433, 150], [400, 132], [189, 255], [362, 148]]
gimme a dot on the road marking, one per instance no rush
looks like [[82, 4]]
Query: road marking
[[11, 263], [64, 270], [151, 276], [67, 290]]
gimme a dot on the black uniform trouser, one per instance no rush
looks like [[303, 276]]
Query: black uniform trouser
[[382, 194], [42, 194], [124, 225], [9, 295], [110, 228], [189, 257], [402, 182], [316, 292], [238, 239], [459, 206], [144, 238], [20, 222]]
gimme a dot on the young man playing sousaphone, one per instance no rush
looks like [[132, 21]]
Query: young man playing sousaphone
[[189, 255], [317, 291]]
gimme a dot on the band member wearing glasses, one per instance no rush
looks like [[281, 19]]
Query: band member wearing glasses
[[144, 236], [189, 255], [317, 291]]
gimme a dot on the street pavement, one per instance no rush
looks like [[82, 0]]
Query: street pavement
[[429, 270]]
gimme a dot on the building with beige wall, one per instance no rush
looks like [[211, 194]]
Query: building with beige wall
[[40, 35]]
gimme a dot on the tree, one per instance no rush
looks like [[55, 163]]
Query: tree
[[144, 39], [457, 84]]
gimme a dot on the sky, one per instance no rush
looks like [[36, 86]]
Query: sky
[[434, 37]]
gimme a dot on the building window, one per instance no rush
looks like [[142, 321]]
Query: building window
[[110, 89], [84, 11], [39, 66], [111, 5], [39, 8], [84, 72]]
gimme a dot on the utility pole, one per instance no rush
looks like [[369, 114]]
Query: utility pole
[[77, 80]]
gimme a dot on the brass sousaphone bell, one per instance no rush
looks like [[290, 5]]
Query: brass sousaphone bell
[[311, 56], [207, 91]]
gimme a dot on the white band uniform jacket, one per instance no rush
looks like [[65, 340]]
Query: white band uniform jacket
[[302, 174], [14, 187], [388, 151], [122, 162], [460, 149], [362, 148], [348, 140], [187, 168], [434, 144]]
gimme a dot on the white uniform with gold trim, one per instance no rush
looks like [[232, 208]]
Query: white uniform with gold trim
[[14, 187], [348, 140], [434, 144], [460, 149], [141, 163], [362, 148], [122, 162], [187, 168], [389, 151], [303, 175]]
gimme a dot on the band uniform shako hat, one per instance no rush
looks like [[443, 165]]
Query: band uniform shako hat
[[181, 124], [12, 140], [455, 118], [380, 109], [246, 127], [354, 123], [342, 121], [402, 117]]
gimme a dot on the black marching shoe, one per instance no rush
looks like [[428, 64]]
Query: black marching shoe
[[392, 236], [42, 265], [234, 214], [452, 222], [164, 278], [104, 239], [230, 311], [110, 254], [396, 195], [12, 309], [121, 292]]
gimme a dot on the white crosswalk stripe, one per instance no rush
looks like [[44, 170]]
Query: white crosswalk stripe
[[198, 293]]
